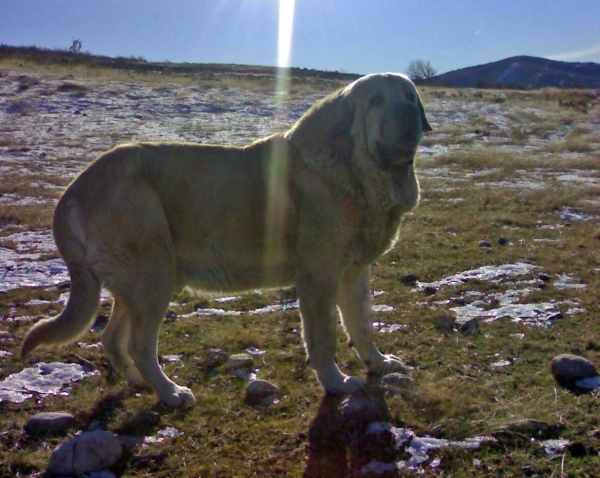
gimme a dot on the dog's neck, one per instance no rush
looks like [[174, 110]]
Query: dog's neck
[[390, 189]]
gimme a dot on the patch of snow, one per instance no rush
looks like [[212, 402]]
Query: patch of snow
[[43, 379]]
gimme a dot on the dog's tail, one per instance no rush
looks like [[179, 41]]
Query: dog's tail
[[80, 312]]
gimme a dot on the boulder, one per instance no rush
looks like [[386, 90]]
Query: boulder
[[239, 361], [399, 380], [215, 358], [470, 327], [261, 392], [568, 368], [445, 322], [86, 453], [49, 422]]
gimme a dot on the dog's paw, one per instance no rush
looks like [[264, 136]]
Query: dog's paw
[[336, 383], [389, 364], [181, 397]]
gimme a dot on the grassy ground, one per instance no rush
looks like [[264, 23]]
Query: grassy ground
[[459, 393]]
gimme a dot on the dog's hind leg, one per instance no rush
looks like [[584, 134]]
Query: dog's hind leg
[[147, 312], [115, 340], [139, 266]]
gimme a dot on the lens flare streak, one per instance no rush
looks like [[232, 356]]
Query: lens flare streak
[[278, 169]]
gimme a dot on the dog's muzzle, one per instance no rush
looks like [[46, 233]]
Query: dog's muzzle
[[398, 154]]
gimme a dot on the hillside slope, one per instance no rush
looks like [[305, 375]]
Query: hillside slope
[[524, 72]]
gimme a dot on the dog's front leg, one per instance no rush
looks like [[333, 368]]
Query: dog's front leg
[[354, 300], [316, 293]]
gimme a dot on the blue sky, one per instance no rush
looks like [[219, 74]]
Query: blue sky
[[355, 36]]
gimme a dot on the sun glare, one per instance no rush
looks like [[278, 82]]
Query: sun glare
[[286, 27], [284, 48], [279, 160]]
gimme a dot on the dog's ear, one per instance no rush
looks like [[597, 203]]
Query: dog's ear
[[425, 126], [327, 124], [341, 132]]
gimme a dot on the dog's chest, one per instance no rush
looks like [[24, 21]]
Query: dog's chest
[[383, 215]]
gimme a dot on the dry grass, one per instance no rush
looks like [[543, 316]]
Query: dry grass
[[572, 144], [38, 217], [487, 158]]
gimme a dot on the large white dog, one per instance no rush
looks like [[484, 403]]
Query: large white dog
[[312, 207]]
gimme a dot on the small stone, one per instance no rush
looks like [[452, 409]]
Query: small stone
[[238, 361], [445, 323], [49, 422], [503, 241], [453, 247], [407, 279], [399, 380], [485, 244], [470, 327], [577, 449], [171, 316], [567, 369], [215, 358], [555, 316], [430, 290], [86, 453], [261, 392]]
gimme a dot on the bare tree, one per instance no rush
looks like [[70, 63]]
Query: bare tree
[[420, 70], [75, 46]]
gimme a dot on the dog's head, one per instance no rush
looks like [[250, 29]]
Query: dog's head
[[389, 118], [380, 115]]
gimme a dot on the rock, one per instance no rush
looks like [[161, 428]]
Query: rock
[[49, 422], [399, 380], [407, 279], [365, 427], [429, 290], [503, 241], [362, 408], [129, 442], [485, 244], [556, 316], [470, 327], [453, 247], [577, 449], [171, 316], [239, 361], [445, 323], [261, 392], [86, 453], [567, 369], [215, 358]]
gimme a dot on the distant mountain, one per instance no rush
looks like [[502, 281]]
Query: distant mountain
[[525, 72]]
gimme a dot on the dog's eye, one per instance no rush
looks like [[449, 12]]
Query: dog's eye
[[411, 97], [377, 100]]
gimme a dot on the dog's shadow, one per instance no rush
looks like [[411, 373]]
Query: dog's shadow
[[338, 442]]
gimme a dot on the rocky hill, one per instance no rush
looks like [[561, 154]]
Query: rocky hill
[[523, 72]]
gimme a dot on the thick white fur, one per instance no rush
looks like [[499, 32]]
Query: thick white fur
[[312, 207]]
